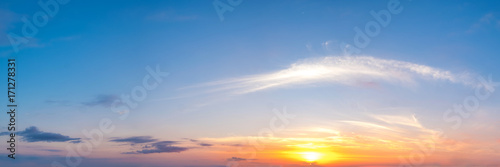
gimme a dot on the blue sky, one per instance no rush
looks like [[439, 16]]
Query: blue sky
[[227, 76]]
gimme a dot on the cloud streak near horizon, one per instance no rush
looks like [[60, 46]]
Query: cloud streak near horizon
[[344, 70], [135, 139], [33, 134], [151, 145]]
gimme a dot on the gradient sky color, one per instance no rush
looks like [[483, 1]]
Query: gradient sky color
[[271, 84]]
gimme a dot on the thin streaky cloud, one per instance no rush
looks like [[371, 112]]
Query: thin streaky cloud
[[369, 125], [345, 70], [484, 22], [135, 139], [411, 121], [102, 100], [160, 147]]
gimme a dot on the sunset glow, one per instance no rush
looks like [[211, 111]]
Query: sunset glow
[[311, 156], [250, 83]]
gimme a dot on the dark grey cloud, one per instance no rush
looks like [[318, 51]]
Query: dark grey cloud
[[238, 159], [32, 134], [165, 143], [205, 144], [160, 147], [102, 100], [135, 139], [51, 150], [192, 140], [234, 145], [199, 142]]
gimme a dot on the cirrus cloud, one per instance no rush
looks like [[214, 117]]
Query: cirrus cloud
[[345, 70]]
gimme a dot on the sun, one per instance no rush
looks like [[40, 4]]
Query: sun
[[311, 156], [312, 153]]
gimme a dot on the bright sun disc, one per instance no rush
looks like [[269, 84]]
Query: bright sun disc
[[311, 156]]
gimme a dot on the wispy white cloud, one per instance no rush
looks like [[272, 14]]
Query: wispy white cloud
[[411, 121], [401, 127], [486, 20], [338, 70], [369, 125]]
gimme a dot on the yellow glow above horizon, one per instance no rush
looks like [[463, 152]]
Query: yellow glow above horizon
[[312, 153], [311, 156]]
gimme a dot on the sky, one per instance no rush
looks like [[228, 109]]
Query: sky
[[213, 83]]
